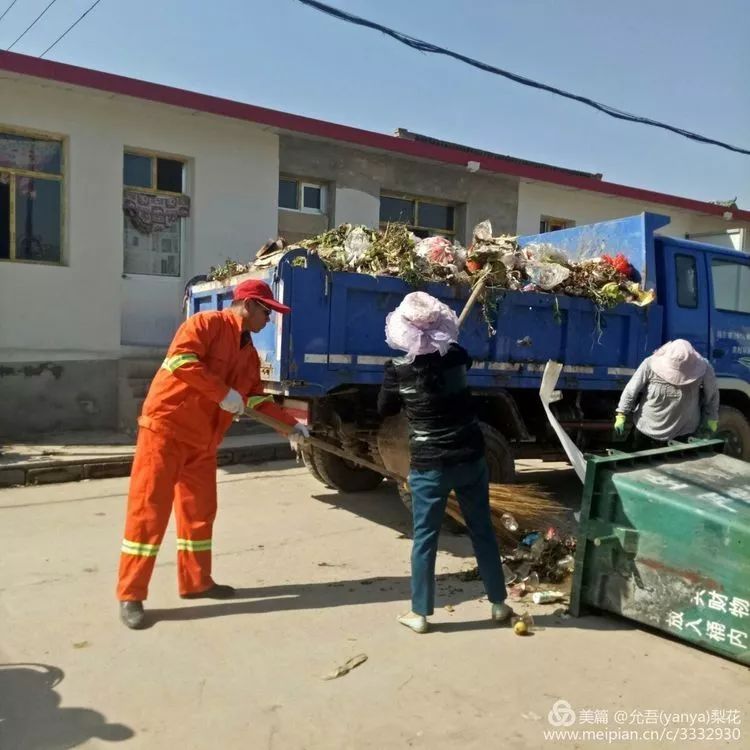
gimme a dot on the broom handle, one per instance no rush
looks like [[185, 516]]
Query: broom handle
[[323, 445], [478, 289]]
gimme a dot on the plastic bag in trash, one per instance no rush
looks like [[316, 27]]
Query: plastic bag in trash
[[437, 250], [546, 275], [511, 261], [483, 231], [356, 244]]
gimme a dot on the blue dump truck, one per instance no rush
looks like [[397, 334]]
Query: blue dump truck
[[325, 361]]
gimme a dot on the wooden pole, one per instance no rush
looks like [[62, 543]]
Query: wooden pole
[[324, 445]]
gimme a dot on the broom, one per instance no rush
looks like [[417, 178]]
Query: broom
[[529, 505]]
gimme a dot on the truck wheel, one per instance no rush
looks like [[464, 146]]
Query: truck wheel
[[343, 475], [309, 460], [499, 456], [735, 430]]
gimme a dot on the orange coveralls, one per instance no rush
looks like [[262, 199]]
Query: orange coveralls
[[181, 426]]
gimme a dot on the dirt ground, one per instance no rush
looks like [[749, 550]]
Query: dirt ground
[[322, 577]]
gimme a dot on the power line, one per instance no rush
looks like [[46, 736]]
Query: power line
[[31, 25], [71, 27], [422, 46], [8, 9]]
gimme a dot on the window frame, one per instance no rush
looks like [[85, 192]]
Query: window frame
[[724, 261], [155, 156], [60, 178], [545, 219], [302, 183], [693, 260], [416, 200]]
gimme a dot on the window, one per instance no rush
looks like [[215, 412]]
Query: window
[[31, 194], [687, 280], [153, 173], [295, 195], [731, 284], [155, 252], [424, 218], [551, 224]]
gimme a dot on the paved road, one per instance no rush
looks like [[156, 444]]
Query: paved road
[[323, 577]]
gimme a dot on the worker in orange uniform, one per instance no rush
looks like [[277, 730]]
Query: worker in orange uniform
[[210, 375]]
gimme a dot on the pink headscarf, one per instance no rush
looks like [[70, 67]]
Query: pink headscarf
[[678, 363], [421, 324]]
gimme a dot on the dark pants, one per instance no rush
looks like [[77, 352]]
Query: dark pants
[[429, 491], [641, 442]]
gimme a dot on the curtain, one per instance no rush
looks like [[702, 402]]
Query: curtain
[[154, 213]]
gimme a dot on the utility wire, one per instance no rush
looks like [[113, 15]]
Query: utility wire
[[71, 27], [5, 13], [422, 46], [31, 25]]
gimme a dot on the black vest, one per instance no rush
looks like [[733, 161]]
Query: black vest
[[443, 428]]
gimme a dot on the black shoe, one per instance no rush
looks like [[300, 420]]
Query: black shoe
[[217, 591], [132, 615]]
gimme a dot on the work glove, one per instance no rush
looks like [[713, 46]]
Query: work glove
[[233, 403], [620, 424], [708, 428], [298, 434]]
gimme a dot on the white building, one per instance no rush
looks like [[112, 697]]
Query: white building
[[115, 192]]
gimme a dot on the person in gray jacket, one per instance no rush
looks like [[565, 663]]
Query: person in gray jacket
[[673, 394]]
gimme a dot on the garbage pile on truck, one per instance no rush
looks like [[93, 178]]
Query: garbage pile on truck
[[497, 261]]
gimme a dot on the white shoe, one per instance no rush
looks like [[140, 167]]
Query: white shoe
[[501, 612], [418, 623]]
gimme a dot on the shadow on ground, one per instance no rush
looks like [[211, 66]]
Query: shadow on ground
[[31, 717], [451, 589]]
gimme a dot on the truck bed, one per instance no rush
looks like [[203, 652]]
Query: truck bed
[[335, 334]]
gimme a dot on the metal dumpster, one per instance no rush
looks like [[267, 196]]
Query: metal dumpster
[[665, 540]]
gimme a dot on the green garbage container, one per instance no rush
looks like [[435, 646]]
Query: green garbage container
[[665, 540]]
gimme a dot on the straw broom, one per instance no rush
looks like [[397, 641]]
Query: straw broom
[[530, 505]]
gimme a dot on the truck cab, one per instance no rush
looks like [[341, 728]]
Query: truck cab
[[705, 293]]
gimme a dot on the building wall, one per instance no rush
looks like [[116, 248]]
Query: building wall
[[356, 177], [536, 199], [77, 312]]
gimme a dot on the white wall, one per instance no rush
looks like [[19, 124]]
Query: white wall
[[74, 310], [536, 199], [356, 207]]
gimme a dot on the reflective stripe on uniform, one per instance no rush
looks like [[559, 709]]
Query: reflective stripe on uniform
[[138, 548], [178, 360], [255, 401], [194, 545]]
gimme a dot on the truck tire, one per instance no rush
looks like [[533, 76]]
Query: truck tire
[[340, 474], [499, 456], [309, 460], [500, 463], [735, 430]]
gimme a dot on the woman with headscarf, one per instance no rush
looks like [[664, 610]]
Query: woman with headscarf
[[447, 446], [672, 395]]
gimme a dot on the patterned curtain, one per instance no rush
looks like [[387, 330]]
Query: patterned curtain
[[154, 213], [23, 153]]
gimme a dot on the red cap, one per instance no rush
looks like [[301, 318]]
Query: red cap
[[258, 290]]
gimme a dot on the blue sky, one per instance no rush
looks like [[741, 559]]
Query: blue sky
[[686, 62]]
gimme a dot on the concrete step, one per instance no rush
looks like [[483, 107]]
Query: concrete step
[[139, 367], [137, 387], [248, 427]]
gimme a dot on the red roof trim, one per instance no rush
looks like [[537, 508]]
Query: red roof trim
[[94, 79]]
